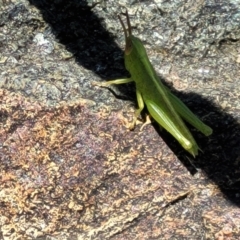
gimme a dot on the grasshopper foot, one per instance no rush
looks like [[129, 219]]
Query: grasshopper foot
[[148, 121], [101, 84]]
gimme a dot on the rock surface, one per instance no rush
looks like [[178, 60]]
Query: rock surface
[[69, 167]]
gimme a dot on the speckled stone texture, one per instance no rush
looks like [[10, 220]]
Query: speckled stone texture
[[70, 169]]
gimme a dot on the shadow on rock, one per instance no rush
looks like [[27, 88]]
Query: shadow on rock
[[77, 27]]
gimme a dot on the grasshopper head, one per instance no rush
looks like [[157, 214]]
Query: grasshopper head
[[127, 34], [132, 43]]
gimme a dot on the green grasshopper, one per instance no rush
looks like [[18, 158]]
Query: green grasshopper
[[167, 109]]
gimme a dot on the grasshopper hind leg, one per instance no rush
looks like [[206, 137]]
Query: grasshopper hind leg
[[185, 139]]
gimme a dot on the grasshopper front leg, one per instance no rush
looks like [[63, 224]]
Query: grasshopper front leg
[[139, 97], [117, 81], [138, 111]]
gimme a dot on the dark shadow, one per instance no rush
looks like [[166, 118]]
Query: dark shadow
[[80, 30], [77, 27]]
